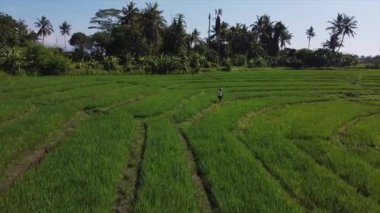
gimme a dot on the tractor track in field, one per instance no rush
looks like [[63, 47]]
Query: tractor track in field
[[359, 189], [56, 92], [189, 98], [243, 124], [24, 114], [341, 132], [288, 190], [197, 117], [17, 168], [68, 99], [132, 178], [207, 201], [245, 120]]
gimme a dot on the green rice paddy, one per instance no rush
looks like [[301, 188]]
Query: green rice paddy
[[280, 141]]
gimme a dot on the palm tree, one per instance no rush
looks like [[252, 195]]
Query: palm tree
[[348, 26], [310, 34], [65, 30], [343, 26], [129, 14], [263, 28], [217, 27], [45, 27], [336, 24], [285, 38], [193, 38], [153, 23], [281, 37], [332, 43]]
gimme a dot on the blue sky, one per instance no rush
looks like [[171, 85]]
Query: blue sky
[[296, 14]]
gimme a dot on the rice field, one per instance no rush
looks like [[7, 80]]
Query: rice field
[[280, 141]]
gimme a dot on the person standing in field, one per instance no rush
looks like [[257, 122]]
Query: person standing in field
[[220, 94]]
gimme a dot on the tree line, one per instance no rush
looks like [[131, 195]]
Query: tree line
[[133, 39]]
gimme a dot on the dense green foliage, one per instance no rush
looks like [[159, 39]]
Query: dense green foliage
[[281, 141], [140, 40]]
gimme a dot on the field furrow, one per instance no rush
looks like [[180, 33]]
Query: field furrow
[[18, 167], [127, 189], [206, 199]]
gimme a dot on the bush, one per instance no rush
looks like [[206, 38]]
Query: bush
[[347, 60], [239, 60], [212, 56], [195, 61], [306, 56], [56, 65], [13, 60], [128, 62], [257, 62], [89, 67], [111, 63], [46, 61], [295, 63], [324, 58], [227, 63], [163, 64]]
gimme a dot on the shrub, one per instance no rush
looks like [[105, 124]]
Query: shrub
[[13, 60], [295, 63], [239, 60], [228, 64], [47, 61], [324, 58], [128, 62], [212, 56], [111, 63], [257, 62], [195, 61], [306, 56], [56, 64], [347, 60], [163, 64]]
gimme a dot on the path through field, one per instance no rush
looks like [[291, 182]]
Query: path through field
[[281, 141]]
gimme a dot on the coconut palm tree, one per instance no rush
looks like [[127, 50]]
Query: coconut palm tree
[[285, 38], [348, 26], [65, 30], [281, 36], [45, 28], [129, 14], [336, 24], [310, 34], [152, 23], [193, 38], [332, 43], [343, 26], [263, 28], [217, 27]]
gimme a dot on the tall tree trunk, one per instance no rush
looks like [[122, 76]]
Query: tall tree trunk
[[341, 43], [43, 40], [209, 26], [65, 42], [309, 44], [218, 41]]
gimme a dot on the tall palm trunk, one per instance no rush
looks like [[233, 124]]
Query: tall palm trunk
[[309, 44], [341, 43], [65, 42]]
